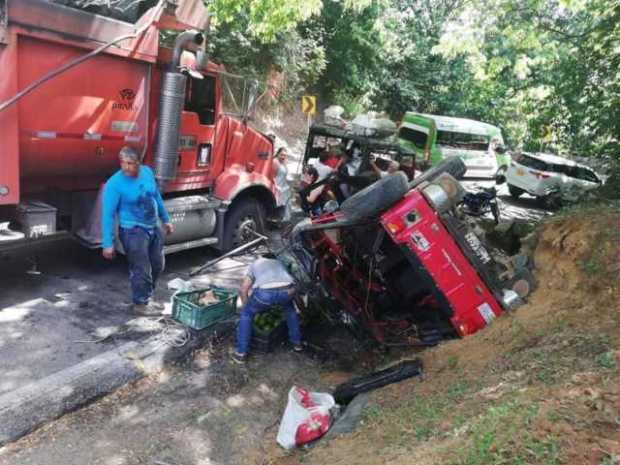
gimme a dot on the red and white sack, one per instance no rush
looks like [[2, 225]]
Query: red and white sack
[[305, 418]]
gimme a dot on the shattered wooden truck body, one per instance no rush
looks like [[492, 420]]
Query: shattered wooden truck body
[[78, 86], [402, 263]]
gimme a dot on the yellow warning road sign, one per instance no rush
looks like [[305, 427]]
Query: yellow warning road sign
[[308, 104]]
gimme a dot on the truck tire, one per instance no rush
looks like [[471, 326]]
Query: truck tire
[[244, 215], [515, 192], [375, 198], [523, 283], [451, 165]]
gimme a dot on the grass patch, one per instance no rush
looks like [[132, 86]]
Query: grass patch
[[591, 267], [421, 416], [550, 359], [501, 436], [606, 360]]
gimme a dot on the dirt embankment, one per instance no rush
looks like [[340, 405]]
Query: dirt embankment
[[539, 386]]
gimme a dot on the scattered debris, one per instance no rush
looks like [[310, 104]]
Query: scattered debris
[[403, 370], [306, 418]]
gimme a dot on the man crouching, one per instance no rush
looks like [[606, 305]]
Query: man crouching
[[267, 283]]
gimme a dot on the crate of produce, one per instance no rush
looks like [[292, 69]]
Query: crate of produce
[[204, 307], [269, 330]]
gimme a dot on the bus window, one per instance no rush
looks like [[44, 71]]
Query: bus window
[[463, 140]]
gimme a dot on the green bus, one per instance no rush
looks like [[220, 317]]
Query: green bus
[[432, 138]]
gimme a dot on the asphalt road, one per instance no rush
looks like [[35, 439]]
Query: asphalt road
[[73, 305], [524, 209]]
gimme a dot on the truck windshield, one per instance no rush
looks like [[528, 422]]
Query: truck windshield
[[463, 140], [122, 10], [239, 95]]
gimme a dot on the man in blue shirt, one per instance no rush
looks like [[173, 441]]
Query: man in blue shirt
[[132, 196]]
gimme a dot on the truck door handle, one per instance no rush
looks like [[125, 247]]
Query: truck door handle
[[263, 155]]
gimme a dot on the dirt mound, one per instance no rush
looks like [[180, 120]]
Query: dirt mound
[[540, 385]]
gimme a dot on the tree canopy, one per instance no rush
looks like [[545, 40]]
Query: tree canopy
[[546, 71]]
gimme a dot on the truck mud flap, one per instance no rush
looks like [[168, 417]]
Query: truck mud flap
[[345, 392]]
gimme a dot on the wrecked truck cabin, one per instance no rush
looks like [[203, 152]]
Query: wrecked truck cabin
[[403, 263]]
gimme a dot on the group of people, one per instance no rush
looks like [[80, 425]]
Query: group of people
[[337, 174], [132, 201]]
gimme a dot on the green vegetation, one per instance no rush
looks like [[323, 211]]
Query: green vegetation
[[419, 416], [501, 435], [545, 71]]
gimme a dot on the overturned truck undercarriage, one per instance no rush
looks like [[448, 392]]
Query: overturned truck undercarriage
[[402, 262]]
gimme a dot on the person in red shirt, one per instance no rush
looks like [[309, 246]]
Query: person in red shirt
[[334, 155]]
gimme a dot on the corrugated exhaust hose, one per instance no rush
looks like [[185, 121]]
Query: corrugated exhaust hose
[[171, 102]]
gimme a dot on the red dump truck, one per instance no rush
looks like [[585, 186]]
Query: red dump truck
[[78, 86]]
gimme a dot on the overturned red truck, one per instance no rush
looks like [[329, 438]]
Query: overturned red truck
[[77, 86], [403, 264]]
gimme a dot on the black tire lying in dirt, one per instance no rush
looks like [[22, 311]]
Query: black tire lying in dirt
[[345, 392], [451, 165], [376, 198]]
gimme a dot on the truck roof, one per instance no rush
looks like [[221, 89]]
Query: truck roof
[[84, 29]]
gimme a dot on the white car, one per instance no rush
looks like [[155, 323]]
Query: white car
[[549, 178]]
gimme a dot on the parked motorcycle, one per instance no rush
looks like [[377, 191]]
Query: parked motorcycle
[[482, 202]]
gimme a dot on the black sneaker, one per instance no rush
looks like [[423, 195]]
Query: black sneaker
[[238, 358]]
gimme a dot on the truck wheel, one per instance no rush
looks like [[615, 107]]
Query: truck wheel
[[515, 192], [523, 283], [375, 198], [244, 218]]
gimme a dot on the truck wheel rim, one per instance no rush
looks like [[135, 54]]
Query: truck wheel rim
[[246, 229]]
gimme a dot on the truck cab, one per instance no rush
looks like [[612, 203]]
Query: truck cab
[[79, 86], [400, 261]]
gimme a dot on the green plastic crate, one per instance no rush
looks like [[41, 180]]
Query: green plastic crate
[[185, 307]]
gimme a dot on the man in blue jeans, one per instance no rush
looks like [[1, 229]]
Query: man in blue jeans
[[267, 283], [132, 195]]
